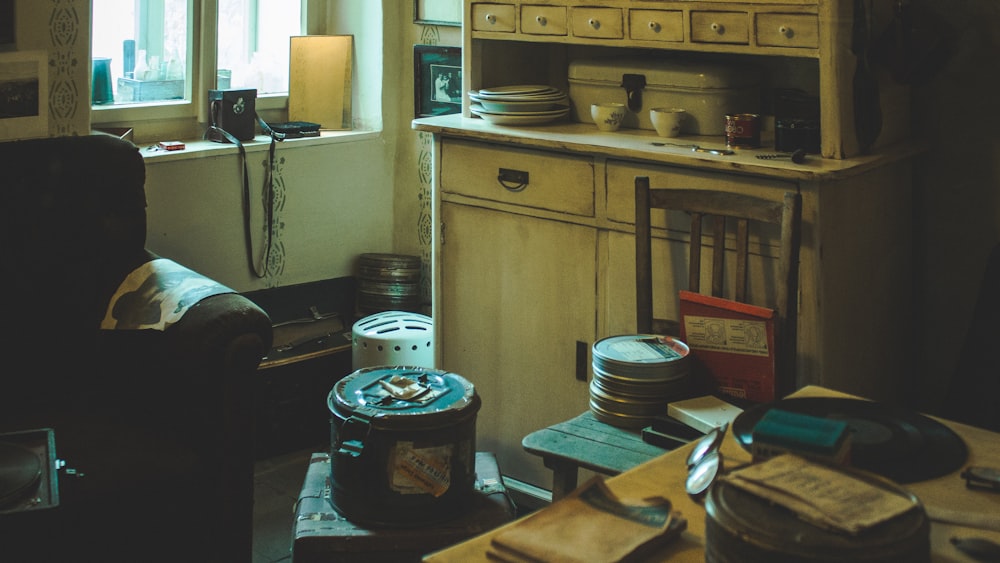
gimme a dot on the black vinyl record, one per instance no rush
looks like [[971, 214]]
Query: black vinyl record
[[893, 442]]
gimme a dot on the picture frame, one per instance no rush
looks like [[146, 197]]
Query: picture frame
[[437, 12], [24, 95], [437, 80]]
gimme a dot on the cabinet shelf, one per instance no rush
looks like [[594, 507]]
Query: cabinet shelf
[[804, 43]]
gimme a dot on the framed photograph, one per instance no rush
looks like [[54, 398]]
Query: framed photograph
[[437, 12], [437, 80], [24, 95]]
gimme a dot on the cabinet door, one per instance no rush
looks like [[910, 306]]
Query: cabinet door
[[517, 295]]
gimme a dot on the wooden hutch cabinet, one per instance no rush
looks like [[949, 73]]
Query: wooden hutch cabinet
[[527, 277]]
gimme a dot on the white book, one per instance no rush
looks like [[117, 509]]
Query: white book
[[703, 413]]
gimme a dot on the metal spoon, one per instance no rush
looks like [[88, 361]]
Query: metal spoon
[[694, 148]]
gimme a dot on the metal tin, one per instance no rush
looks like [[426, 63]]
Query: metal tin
[[740, 526], [388, 282], [635, 376], [743, 130], [403, 443], [642, 356], [707, 91]]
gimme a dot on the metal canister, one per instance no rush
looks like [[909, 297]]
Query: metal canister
[[403, 443], [743, 130]]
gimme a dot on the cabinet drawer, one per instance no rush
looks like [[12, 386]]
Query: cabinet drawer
[[554, 181], [543, 20], [720, 27], [788, 30], [597, 23], [493, 17], [656, 25], [621, 185]]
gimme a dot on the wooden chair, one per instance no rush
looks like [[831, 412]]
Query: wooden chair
[[742, 210]]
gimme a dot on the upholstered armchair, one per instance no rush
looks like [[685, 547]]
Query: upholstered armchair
[[143, 369]]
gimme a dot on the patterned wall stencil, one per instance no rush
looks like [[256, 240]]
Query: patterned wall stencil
[[275, 264], [67, 78]]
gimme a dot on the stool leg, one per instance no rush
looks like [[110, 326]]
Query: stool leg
[[564, 476]]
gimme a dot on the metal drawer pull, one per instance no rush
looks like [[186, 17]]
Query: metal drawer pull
[[541, 20], [513, 180], [718, 28], [594, 23], [654, 26], [491, 18], [786, 31]]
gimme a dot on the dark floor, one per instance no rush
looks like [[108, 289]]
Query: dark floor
[[277, 482]]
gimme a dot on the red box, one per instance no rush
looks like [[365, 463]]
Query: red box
[[733, 343]]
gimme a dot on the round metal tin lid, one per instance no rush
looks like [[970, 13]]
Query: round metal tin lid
[[403, 392], [641, 356]]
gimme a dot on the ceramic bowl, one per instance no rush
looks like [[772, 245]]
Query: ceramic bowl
[[668, 122], [608, 115]]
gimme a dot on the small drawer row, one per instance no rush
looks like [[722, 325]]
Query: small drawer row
[[667, 25], [566, 182]]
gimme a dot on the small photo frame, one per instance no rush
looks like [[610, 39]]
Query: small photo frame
[[437, 80], [24, 95]]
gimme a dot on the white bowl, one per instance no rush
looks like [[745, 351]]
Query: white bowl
[[608, 116]]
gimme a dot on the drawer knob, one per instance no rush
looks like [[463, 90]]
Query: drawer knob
[[785, 31], [594, 23], [717, 27], [654, 26], [513, 180], [541, 20], [491, 18]]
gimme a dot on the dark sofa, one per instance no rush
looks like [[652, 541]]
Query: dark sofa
[[155, 425]]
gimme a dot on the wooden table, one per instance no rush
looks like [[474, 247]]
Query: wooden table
[[587, 443], [946, 498]]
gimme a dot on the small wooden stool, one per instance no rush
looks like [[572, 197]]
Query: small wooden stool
[[322, 534]]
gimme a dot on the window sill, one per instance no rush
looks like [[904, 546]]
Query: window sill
[[201, 148]]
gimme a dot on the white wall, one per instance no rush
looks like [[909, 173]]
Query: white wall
[[334, 203], [336, 200]]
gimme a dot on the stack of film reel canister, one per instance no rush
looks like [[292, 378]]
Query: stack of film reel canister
[[388, 282], [636, 375]]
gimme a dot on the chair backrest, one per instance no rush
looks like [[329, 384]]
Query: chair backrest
[[741, 210]]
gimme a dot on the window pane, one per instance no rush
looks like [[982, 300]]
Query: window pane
[[253, 43], [144, 46]]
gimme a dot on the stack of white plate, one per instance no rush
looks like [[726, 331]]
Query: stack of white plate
[[636, 375], [527, 104]]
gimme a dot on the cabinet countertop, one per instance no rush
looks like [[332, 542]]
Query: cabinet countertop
[[637, 144]]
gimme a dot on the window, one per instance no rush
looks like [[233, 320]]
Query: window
[[154, 72], [253, 43]]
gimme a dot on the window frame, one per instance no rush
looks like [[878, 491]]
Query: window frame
[[187, 118]]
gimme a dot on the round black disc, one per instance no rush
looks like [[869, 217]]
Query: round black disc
[[893, 442]]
